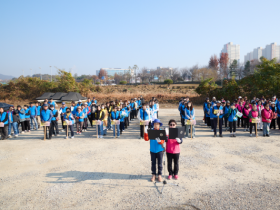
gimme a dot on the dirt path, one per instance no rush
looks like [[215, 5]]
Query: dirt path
[[90, 173]]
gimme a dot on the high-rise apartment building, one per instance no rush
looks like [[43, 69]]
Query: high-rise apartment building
[[233, 52], [269, 52]]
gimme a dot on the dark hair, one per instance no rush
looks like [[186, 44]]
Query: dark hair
[[68, 108], [190, 108], [171, 121], [73, 102], [18, 106], [25, 105]]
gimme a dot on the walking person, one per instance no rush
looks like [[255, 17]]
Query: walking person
[[266, 119], [173, 152]]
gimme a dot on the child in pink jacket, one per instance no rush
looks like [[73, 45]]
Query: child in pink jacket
[[173, 152]]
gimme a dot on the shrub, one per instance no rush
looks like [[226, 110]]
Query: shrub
[[168, 81], [123, 82]]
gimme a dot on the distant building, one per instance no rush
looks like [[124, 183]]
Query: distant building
[[233, 52], [269, 52], [113, 71]]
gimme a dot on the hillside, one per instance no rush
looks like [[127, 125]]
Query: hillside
[[5, 77]]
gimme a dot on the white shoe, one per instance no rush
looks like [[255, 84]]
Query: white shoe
[[72, 137], [22, 132], [101, 137], [9, 136], [251, 135], [16, 135], [65, 137]]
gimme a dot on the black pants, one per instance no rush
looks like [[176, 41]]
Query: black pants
[[70, 129], [89, 119], [54, 126], [174, 157], [246, 122], [182, 121], [132, 114], [240, 120], [27, 125], [212, 123], [47, 128], [22, 126], [273, 124], [63, 126], [121, 127], [208, 121], [251, 127], [92, 118], [85, 125], [278, 122], [4, 132], [156, 158], [232, 126], [215, 121], [226, 121], [126, 122]]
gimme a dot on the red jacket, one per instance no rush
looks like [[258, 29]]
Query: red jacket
[[267, 114]]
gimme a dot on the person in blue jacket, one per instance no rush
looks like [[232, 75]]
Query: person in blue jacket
[[133, 109], [226, 108], [13, 121], [51, 102], [115, 115], [189, 115], [33, 114], [21, 114], [54, 125], [139, 105], [181, 110], [62, 112], [156, 151], [215, 118], [207, 114], [232, 119], [38, 119], [27, 118], [4, 124], [212, 118], [89, 102], [69, 117], [144, 115], [94, 100], [46, 116], [205, 104]]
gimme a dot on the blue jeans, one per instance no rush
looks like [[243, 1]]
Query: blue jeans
[[100, 129], [15, 127], [33, 119], [118, 130], [109, 123], [266, 127], [187, 130]]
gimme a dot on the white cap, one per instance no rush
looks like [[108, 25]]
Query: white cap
[[80, 101], [239, 97]]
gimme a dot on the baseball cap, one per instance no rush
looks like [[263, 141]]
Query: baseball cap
[[63, 103], [80, 101]]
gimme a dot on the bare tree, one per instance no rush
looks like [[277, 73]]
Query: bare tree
[[143, 74], [176, 75], [239, 71], [192, 71], [185, 73]]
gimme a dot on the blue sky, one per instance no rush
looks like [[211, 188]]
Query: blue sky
[[88, 35]]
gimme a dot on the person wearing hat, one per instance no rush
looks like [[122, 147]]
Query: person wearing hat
[[266, 119], [62, 112], [253, 114], [4, 121], [215, 119], [232, 118], [156, 151], [54, 125], [274, 113], [79, 116], [226, 109], [46, 116], [69, 117], [173, 152]]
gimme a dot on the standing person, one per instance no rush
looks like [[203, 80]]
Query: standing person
[[69, 117], [207, 114], [142, 100], [245, 112], [190, 115], [51, 102], [266, 119], [4, 121], [21, 113], [46, 116], [274, 115], [122, 118], [27, 118], [232, 119], [205, 104], [62, 112], [173, 152], [181, 109], [94, 100], [109, 110], [139, 105], [253, 114], [13, 117], [86, 113], [115, 115], [105, 120], [260, 108], [126, 107], [156, 151], [93, 109], [38, 119], [99, 115], [212, 118], [143, 115], [226, 109], [89, 102], [215, 119], [73, 108], [79, 116], [132, 108], [33, 114], [53, 124]]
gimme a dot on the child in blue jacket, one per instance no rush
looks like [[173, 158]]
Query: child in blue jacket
[[232, 119]]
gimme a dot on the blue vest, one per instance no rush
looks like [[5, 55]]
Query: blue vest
[[122, 117], [207, 109], [232, 117], [115, 116], [215, 108], [139, 103], [155, 108], [32, 110], [211, 113], [63, 110], [226, 110], [146, 116], [26, 111], [2, 117], [46, 115], [69, 118], [132, 105], [51, 103], [190, 114], [21, 116], [38, 110], [155, 147], [89, 103], [80, 115], [53, 113]]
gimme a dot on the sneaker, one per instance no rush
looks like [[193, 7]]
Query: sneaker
[[80, 133], [176, 177], [261, 129], [267, 135], [65, 137], [28, 130], [72, 137], [231, 135], [85, 130], [22, 132], [101, 136], [77, 133], [251, 135], [193, 137], [170, 177], [220, 135], [140, 137], [234, 135], [9, 136], [16, 136]]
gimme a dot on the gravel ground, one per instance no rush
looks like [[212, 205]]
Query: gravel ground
[[90, 173]]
